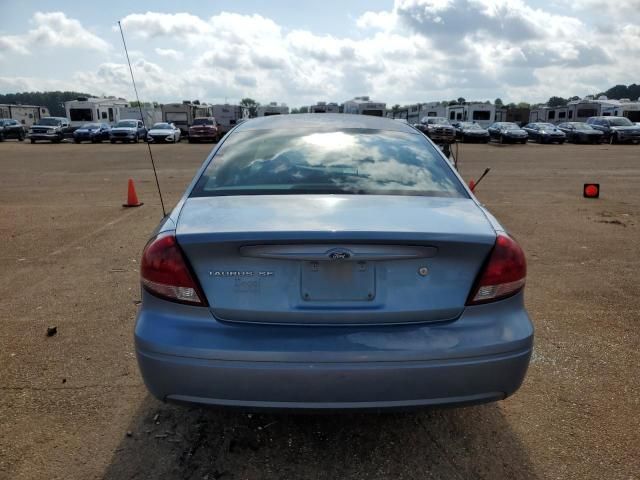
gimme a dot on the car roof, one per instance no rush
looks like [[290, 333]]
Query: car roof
[[323, 120]]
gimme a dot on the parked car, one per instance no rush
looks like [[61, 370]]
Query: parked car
[[204, 128], [437, 129], [471, 132], [507, 132], [580, 132], [616, 129], [329, 261], [92, 132], [10, 128], [53, 129], [128, 131], [163, 132], [543, 132]]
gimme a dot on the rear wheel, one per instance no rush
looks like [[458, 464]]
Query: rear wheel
[[560, 142], [32, 140], [112, 141], [75, 140], [613, 139], [523, 142], [1, 137], [21, 137], [502, 139]]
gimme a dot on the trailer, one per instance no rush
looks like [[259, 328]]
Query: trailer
[[228, 116], [150, 114], [182, 114], [364, 106], [581, 110], [484, 114], [272, 109], [94, 109], [514, 115], [623, 108], [27, 115]]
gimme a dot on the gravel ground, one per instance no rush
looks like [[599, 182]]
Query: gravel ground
[[73, 405]]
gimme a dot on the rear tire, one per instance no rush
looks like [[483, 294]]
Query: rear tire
[[613, 139], [75, 140], [32, 140], [502, 139], [112, 141], [523, 142]]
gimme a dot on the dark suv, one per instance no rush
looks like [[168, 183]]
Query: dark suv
[[11, 129], [616, 129]]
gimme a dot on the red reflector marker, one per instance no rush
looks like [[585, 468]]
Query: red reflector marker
[[591, 190]]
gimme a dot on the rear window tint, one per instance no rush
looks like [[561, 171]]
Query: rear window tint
[[347, 161]]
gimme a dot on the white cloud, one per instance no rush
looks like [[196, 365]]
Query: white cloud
[[53, 30], [418, 50], [169, 53]]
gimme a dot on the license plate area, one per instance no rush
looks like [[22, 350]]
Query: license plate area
[[337, 281]]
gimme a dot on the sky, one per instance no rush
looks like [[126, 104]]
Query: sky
[[299, 53]]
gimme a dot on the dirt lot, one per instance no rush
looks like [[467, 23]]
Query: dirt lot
[[74, 406]]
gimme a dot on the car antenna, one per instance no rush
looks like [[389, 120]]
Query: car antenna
[[144, 124], [473, 185]]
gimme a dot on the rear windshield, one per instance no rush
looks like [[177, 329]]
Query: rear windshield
[[348, 161]]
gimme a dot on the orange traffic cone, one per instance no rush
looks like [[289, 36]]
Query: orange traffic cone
[[132, 198]]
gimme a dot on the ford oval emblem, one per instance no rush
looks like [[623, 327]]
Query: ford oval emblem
[[339, 255]]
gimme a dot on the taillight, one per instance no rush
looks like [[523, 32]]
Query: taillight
[[503, 274], [164, 272]]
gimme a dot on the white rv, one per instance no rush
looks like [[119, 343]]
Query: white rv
[[94, 109], [324, 107], [623, 108], [182, 114], [272, 109], [27, 115], [581, 110], [484, 114], [150, 114], [431, 109], [228, 116], [364, 106]]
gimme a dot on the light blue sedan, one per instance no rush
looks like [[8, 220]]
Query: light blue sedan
[[331, 261]]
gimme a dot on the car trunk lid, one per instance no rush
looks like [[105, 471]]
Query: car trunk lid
[[335, 259]]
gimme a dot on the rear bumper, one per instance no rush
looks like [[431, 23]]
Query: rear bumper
[[333, 386], [186, 355]]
